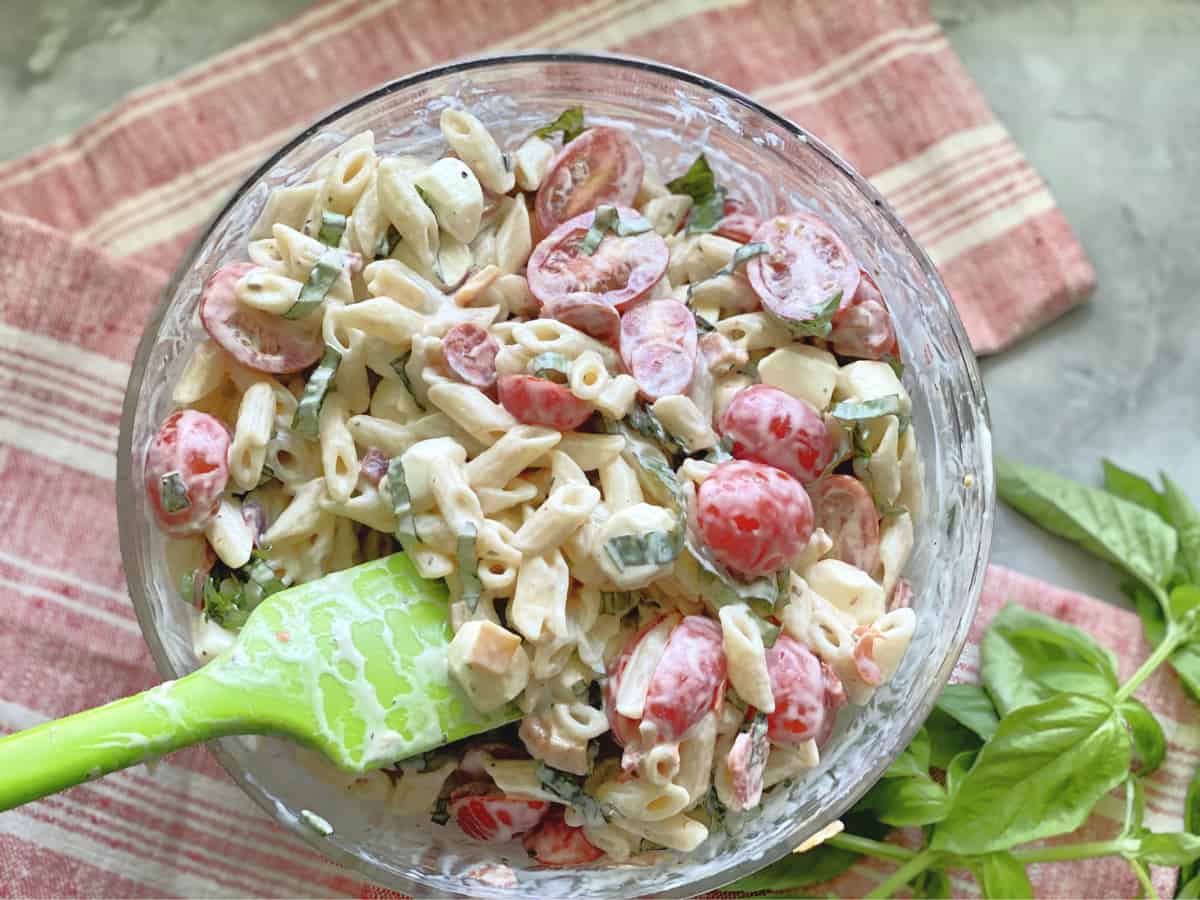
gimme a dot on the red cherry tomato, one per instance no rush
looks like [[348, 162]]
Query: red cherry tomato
[[863, 328], [555, 843], [471, 355], [736, 224], [806, 265], [773, 427], [256, 339], [591, 315], [620, 271], [843, 506], [600, 166], [487, 815], [658, 346], [196, 446], [537, 401], [807, 694], [688, 681], [754, 518]]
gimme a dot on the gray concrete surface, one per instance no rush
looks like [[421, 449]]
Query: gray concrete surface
[[1103, 95]]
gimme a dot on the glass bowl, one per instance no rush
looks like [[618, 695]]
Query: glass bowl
[[775, 165]]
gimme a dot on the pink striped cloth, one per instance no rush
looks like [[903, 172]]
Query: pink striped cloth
[[90, 226]]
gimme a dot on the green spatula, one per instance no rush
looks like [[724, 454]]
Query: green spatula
[[353, 664]]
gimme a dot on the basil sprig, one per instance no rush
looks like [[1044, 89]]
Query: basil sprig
[[321, 277], [1052, 730], [569, 124], [308, 409], [708, 197], [608, 219]]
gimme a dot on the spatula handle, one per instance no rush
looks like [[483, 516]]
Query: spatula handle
[[66, 752]]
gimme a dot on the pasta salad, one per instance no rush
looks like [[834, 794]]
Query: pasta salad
[[656, 445]]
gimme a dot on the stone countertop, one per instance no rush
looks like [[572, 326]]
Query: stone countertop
[[1101, 94]]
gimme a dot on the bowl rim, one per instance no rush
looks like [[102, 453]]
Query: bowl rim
[[126, 490]]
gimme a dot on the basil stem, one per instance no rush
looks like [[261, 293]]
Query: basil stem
[[324, 273], [308, 410], [333, 226], [173, 493]]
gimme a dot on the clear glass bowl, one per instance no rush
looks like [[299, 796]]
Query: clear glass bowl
[[775, 165]]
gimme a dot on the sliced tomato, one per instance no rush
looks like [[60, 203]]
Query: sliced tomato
[[471, 355], [591, 315], [602, 165], [689, 680], [256, 339], [622, 270], [805, 267], [555, 843], [736, 224], [747, 761], [863, 328], [194, 446], [843, 506], [807, 694], [537, 401], [756, 519], [771, 426], [487, 815], [658, 346]]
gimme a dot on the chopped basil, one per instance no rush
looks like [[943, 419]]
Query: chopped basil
[[225, 603], [723, 452], [304, 422], [324, 273], [819, 325], [708, 198], [546, 365], [608, 218], [716, 810], [571, 792], [741, 255], [173, 493], [406, 520], [654, 548], [267, 474], [333, 226], [387, 241], [569, 124], [618, 603], [858, 410], [468, 567], [263, 575], [643, 420], [400, 367], [702, 324], [441, 812], [759, 745], [720, 588]]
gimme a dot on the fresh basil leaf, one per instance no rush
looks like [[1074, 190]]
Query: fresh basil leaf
[[1186, 660], [569, 124], [652, 548], [1191, 824], [333, 225], [1172, 849], [1018, 641], [819, 324], [720, 588], [226, 603], [1135, 806], [1190, 889], [546, 365], [850, 411], [907, 801], [618, 603], [970, 706], [708, 198], [744, 254], [570, 790], [1001, 876], [913, 762], [1068, 676], [308, 409], [173, 493], [1039, 776], [324, 273], [387, 241], [933, 884], [397, 490], [400, 367], [468, 566], [821, 863], [948, 739], [723, 452], [643, 420], [608, 219], [1184, 515], [1182, 601], [1134, 488], [1115, 530], [1149, 742], [956, 772]]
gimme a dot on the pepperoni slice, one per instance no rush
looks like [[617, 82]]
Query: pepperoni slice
[[755, 518], [864, 327], [773, 427], [602, 165], [471, 355], [590, 315], [805, 267], [844, 508], [255, 338], [807, 694], [658, 346], [620, 271], [537, 401], [189, 453]]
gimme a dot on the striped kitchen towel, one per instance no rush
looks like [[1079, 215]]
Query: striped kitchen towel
[[92, 224]]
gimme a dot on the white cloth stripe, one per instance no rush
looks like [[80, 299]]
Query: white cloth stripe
[[57, 448], [124, 623], [846, 61], [934, 159], [947, 218], [73, 421], [66, 356], [17, 369], [984, 166], [59, 575], [38, 421], [990, 225], [548, 30]]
